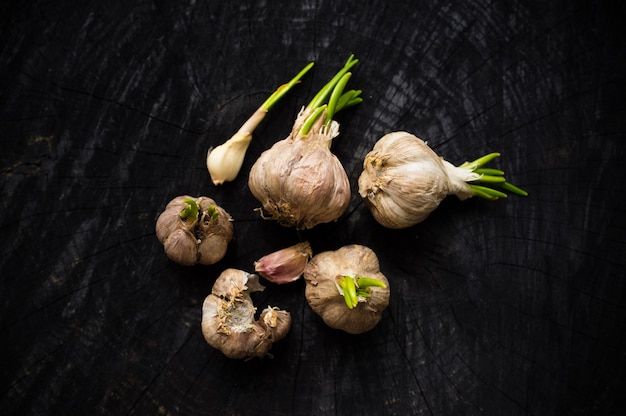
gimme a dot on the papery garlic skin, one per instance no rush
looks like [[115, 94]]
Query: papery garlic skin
[[228, 322], [203, 241], [285, 265], [299, 181], [404, 180]]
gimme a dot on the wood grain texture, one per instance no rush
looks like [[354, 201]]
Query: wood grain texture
[[107, 110]]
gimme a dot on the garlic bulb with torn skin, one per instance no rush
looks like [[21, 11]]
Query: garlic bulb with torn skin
[[298, 180], [347, 289], [194, 230], [404, 180], [228, 322]]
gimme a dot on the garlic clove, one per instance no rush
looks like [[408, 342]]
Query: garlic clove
[[286, 265], [277, 321], [181, 247], [224, 161], [228, 322]]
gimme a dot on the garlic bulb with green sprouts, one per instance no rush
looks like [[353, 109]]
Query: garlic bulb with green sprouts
[[404, 180], [194, 230], [298, 180], [346, 288], [224, 161]]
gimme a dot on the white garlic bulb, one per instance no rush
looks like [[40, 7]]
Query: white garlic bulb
[[404, 180]]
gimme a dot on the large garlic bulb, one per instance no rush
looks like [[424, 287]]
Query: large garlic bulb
[[299, 181], [404, 180]]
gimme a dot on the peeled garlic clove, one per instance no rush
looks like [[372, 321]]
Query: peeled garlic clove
[[286, 265], [224, 161]]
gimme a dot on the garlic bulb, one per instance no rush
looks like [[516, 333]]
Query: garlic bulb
[[194, 230], [404, 180], [347, 289], [228, 322], [285, 265], [299, 181]]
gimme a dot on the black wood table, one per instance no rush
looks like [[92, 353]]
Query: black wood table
[[512, 307]]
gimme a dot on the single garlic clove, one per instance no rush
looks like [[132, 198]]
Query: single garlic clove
[[181, 247], [224, 161], [278, 322], [286, 265]]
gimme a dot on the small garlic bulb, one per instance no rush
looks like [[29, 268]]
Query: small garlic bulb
[[404, 180], [299, 181], [327, 298], [194, 230]]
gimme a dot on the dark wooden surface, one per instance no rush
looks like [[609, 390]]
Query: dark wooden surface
[[107, 110]]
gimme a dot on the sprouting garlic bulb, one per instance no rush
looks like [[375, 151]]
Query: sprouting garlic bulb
[[326, 276], [194, 230], [404, 180], [228, 322], [299, 181]]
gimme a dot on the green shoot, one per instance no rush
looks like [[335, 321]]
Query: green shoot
[[212, 213], [333, 91], [357, 287], [189, 213], [283, 89], [489, 179]]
